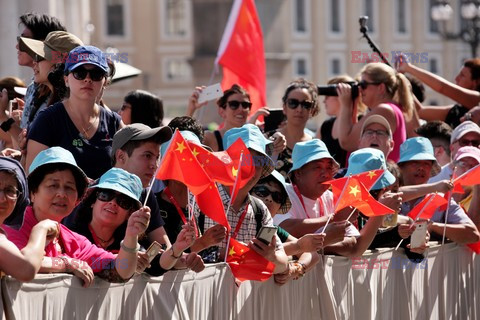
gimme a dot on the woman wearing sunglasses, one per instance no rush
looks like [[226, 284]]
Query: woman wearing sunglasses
[[299, 105], [78, 123], [103, 215], [47, 55], [234, 107], [56, 183], [386, 93]]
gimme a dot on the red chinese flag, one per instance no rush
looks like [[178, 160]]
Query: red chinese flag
[[469, 178], [246, 264], [475, 247], [427, 207], [241, 52], [356, 195], [180, 164], [210, 203], [368, 179]]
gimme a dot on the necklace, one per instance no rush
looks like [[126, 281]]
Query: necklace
[[85, 131], [97, 239]]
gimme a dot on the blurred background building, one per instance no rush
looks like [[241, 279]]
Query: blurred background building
[[174, 42]]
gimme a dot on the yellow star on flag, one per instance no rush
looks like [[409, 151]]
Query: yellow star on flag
[[354, 190], [180, 147], [234, 171], [371, 174], [231, 252], [195, 152]]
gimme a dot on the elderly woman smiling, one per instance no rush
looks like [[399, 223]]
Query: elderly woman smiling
[[56, 183]]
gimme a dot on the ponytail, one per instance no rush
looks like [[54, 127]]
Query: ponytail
[[404, 96]]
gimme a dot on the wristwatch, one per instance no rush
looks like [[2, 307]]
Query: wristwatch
[[6, 125]]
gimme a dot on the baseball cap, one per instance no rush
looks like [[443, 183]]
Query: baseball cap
[[376, 118], [139, 131], [462, 129], [51, 49], [86, 55]]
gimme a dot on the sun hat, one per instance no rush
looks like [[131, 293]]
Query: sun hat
[[139, 131], [53, 157], [253, 139], [468, 151], [367, 159], [462, 129], [419, 148], [86, 55], [308, 151], [54, 48], [288, 204], [376, 118], [121, 181]]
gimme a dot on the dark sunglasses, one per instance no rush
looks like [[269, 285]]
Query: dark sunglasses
[[96, 74], [467, 142], [294, 103], [235, 104], [364, 84], [263, 192], [123, 201]]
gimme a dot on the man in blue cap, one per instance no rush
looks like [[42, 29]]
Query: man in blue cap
[[245, 210], [417, 163], [312, 202]]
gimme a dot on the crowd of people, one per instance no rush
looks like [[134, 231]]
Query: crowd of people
[[78, 187]]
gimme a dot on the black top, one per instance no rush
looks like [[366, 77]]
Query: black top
[[332, 144], [218, 136]]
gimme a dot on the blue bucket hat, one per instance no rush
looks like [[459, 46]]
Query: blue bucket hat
[[55, 156], [86, 55], [308, 151], [253, 139], [122, 181], [367, 159], [187, 135], [288, 204], [419, 148]]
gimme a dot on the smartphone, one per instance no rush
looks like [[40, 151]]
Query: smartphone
[[417, 239], [274, 119], [210, 93], [266, 234], [153, 250]]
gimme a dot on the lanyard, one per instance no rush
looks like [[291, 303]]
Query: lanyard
[[239, 223], [179, 209], [319, 199], [175, 203]]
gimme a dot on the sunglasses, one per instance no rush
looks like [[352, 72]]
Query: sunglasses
[[263, 192], [467, 142], [294, 103], [364, 84], [96, 74], [123, 201], [235, 104]]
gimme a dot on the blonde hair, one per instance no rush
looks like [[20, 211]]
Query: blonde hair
[[397, 85]]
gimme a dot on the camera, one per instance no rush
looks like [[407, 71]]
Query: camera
[[331, 90]]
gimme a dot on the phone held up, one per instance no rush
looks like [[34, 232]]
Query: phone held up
[[266, 234]]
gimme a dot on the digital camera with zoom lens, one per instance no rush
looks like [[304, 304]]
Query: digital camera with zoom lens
[[331, 89]]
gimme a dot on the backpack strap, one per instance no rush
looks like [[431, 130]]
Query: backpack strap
[[258, 212]]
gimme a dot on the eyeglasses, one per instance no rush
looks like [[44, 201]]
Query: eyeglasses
[[364, 84], [235, 104], [467, 142], [465, 165], [378, 133], [264, 192], [123, 201], [10, 192], [96, 74], [294, 103]]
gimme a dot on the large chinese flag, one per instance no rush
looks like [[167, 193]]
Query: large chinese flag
[[427, 207], [246, 264], [241, 52], [367, 178]]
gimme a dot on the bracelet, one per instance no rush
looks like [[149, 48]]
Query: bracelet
[[6, 125], [67, 264], [173, 253], [129, 250]]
